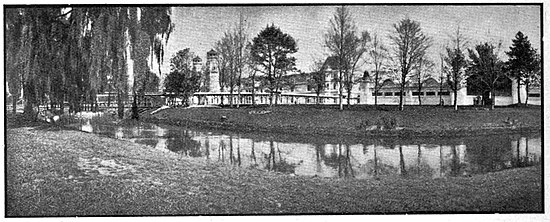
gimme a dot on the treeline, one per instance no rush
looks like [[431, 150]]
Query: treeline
[[405, 55]]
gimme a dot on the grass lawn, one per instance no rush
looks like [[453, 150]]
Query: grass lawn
[[57, 172], [328, 120]]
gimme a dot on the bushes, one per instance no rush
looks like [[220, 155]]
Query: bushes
[[385, 122]]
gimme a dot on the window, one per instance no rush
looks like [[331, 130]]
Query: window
[[388, 94], [430, 93], [418, 93], [379, 94], [398, 94], [444, 93], [534, 94]]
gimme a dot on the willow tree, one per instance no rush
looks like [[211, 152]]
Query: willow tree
[[35, 37], [157, 23], [72, 53], [13, 31]]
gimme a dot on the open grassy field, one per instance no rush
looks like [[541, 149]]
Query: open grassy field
[[56, 172], [308, 119]]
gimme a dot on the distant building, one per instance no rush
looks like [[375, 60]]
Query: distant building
[[297, 88]]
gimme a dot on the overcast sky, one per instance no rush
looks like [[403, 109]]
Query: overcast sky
[[198, 28]]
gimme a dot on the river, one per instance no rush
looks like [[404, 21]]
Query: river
[[334, 157]]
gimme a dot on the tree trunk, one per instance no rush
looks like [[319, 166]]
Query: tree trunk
[[519, 93], [270, 98], [318, 98], [349, 98], [239, 96], [253, 90], [135, 113], [14, 104], [526, 93], [340, 89], [455, 92], [492, 99], [120, 104], [401, 105], [231, 96], [419, 93]]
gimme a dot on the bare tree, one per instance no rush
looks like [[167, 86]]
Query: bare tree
[[357, 47], [456, 64], [410, 46], [341, 28], [379, 55], [424, 71]]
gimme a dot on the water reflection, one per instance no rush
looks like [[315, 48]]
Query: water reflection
[[377, 158]]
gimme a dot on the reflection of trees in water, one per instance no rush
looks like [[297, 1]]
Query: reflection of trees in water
[[519, 160], [339, 159], [253, 153], [376, 166], [282, 165], [457, 168], [488, 154], [181, 142], [233, 152], [221, 151], [420, 168]]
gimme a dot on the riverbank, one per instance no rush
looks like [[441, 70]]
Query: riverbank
[[56, 172], [385, 121]]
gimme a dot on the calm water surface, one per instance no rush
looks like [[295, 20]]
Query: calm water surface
[[326, 157]]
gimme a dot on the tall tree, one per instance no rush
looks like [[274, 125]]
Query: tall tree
[[342, 40], [410, 45], [456, 64], [534, 76], [13, 31], [486, 66], [357, 48], [378, 55], [232, 56], [423, 71], [271, 51], [157, 23], [182, 80], [523, 62]]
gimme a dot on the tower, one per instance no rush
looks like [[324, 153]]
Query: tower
[[212, 64], [197, 63]]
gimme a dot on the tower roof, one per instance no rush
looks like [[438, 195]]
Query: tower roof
[[197, 59], [212, 53]]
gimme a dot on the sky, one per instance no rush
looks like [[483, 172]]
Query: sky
[[198, 28]]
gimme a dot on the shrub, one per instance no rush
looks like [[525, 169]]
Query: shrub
[[388, 122]]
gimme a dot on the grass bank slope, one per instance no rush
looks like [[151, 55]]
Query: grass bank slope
[[359, 120], [56, 172]]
